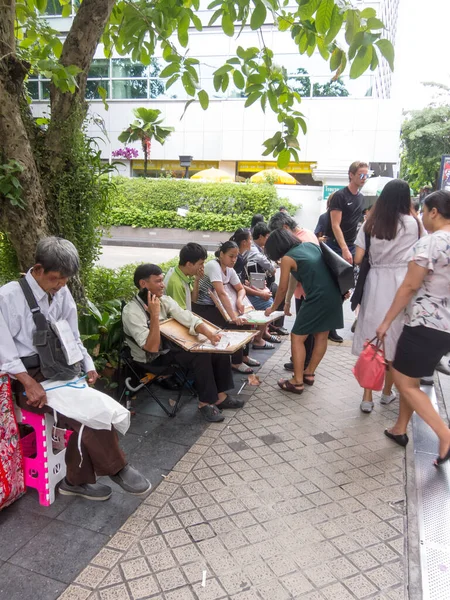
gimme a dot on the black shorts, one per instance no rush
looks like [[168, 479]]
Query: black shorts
[[419, 350]]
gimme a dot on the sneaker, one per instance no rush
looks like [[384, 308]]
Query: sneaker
[[366, 407], [334, 337], [427, 381], [444, 366], [230, 402], [90, 491], [211, 413], [388, 399], [131, 481], [289, 366]]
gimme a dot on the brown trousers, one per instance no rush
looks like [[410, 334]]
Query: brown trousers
[[100, 448]]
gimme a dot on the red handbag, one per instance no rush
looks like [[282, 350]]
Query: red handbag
[[370, 368]]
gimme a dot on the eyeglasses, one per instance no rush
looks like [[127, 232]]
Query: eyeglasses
[[364, 175]]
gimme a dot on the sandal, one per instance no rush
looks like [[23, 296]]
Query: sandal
[[440, 461], [211, 413], [278, 330], [294, 388], [251, 362], [242, 368], [272, 338], [308, 378], [267, 346]]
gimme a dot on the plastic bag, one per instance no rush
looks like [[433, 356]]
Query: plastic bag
[[76, 400], [370, 368]]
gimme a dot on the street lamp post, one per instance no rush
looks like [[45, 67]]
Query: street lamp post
[[185, 161]]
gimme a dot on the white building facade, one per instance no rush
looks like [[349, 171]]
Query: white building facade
[[351, 120]]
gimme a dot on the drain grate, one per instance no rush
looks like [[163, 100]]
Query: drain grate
[[433, 510]]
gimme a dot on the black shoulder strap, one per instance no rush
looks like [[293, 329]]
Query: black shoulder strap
[[39, 319], [28, 293]]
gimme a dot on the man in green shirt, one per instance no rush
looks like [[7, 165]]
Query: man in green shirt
[[182, 282]]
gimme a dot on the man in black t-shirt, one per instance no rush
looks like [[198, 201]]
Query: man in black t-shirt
[[346, 211]]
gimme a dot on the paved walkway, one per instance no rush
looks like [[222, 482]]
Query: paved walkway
[[291, 497]]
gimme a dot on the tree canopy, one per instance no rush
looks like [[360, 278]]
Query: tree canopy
[[43, 160], [425, 138]]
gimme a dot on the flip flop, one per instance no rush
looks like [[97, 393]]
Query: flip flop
[[308, 378], [287, 386], [278, 330], [274, 339], [251, 362], [267, 346], [242, 369]]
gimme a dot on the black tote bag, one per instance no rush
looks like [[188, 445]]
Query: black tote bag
[[364, 269], [341, 270]]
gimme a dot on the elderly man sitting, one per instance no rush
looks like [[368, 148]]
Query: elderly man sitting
[[212, 372], [33, 314]]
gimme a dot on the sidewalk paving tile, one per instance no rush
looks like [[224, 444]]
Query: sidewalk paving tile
[[291, 497]]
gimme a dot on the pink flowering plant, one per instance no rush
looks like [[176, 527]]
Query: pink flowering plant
[[126, 152]]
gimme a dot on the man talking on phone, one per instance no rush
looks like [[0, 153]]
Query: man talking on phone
[[141, 318]]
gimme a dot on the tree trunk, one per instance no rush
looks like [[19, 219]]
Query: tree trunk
[[68, 111], [144, 147], [23, 226]]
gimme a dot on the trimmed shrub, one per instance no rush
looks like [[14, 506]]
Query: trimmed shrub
[[212, 206]]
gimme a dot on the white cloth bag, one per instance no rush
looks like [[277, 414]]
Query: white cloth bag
[[76, 400]]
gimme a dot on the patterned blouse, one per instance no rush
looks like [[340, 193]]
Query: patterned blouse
[[431, 306]]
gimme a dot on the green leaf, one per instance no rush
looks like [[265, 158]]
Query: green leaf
[[335, 59], [203, 99], [387, 50], [271, 97], [307, 9], [361, 62], [217, 82], [283, 158], [42, 121], [323, 16], [170, 70], [292, 142], [183, 27], [258, 17], [324, 52], [252, 98], [186, 106], [238, 79], [188, 83], [196, 21], [223, 69], [57, 46], [66, 11], [41, 5], [172, 80], [225, 82], [337, 19], [284, 22], [103, 95], [227, 25], [375, 61], [352, 25], [373, 23], [368, 13]]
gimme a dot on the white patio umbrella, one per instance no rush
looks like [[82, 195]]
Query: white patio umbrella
[[374, 185]]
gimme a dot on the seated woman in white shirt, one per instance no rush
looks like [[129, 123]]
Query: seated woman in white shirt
[[218, 274]]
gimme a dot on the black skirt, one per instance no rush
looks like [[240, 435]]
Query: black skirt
[[419, 350]]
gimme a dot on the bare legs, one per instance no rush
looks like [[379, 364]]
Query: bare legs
[[299, 353], [413, 399], [387, 390]]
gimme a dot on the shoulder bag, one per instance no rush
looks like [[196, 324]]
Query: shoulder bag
[[340, 269], [364, 269]]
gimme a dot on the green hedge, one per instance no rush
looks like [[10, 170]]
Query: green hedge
[[212, 206]]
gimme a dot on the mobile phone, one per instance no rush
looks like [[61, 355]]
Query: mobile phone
[[143, 295]]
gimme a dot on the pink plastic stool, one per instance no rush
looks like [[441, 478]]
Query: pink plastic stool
[[48, 467]]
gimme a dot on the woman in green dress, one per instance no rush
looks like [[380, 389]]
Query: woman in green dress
[[320, 312]]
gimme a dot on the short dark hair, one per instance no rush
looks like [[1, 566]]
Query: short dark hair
[[357, 164], [144, 272], [257, 219], [282, 208], [260, 229], [279, 242], [192, 253], [240, 235], [280, 219], [439, 200], [225, 247]]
